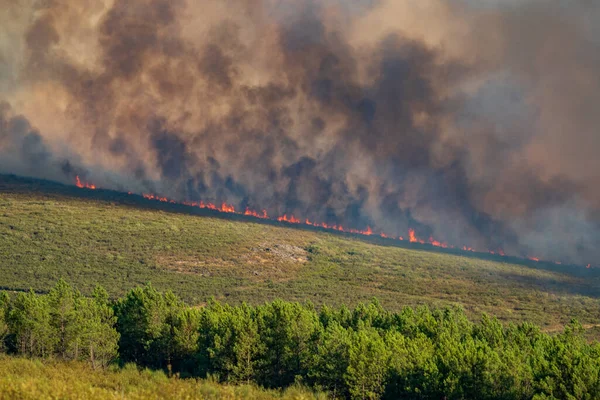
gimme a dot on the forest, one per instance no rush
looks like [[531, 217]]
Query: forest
[[366, 352]]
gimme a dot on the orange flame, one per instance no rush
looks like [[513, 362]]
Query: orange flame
[[227, 208], [536, 259], [436, 243], [81, 185], [153, 197], [412, 237], [291, 219], [253, 213]]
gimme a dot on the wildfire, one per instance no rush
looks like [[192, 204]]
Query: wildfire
[[437, 243], [81, 185], [291, 219], [153, 197], [228, 208], [412, 237], [253, 213]]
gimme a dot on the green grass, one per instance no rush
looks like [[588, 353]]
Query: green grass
[[34, 379], [48, 232]]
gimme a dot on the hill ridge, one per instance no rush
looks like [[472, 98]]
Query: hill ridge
[[49, 231]]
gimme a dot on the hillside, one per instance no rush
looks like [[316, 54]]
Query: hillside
[[49, 231]]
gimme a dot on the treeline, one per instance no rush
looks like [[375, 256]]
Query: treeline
[[364, 353]]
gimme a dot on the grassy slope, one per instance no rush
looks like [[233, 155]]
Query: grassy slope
[[32, 379], [48, 231]]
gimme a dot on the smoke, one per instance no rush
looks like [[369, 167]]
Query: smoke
[[472, 122]]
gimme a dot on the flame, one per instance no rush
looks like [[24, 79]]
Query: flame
[[412, 237], [81, 185], [588, 266], [224, 207], [253, 213], [228, 208], [154, 197], [437, 243], [291, 219]]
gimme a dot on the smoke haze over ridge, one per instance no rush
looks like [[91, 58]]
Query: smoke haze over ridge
[[474, 122]]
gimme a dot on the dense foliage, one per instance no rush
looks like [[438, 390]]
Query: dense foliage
[[364, 353]]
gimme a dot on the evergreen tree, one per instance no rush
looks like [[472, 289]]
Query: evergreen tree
[[568, 367], [365, 353], [229, 342], [287, 332], [99, 338], [368, 362], [4, 309], [29, 322], [330, 360], [146, 321], [187, 336], [66, 322]]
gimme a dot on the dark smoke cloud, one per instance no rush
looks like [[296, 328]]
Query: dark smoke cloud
[[472, 122]]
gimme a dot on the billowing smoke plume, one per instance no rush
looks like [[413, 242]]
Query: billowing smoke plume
[[475, 122]]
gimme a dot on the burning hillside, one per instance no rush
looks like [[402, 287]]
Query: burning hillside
[[454, 123], [230, 209]]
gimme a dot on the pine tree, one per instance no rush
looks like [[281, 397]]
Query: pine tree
[[186, 337], [287, 331], [330, 360], [99, 337], [29, 321], [229, 342], [146, 321], [4, 309], [368, 360], [65, 320]]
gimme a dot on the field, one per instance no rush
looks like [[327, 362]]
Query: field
[[34, 379], [89, 237]]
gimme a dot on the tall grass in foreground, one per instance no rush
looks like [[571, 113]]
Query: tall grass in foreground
[[22, 378]]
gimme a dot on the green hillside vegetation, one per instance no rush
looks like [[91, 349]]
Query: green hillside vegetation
[[50, 231], [363, 353]]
